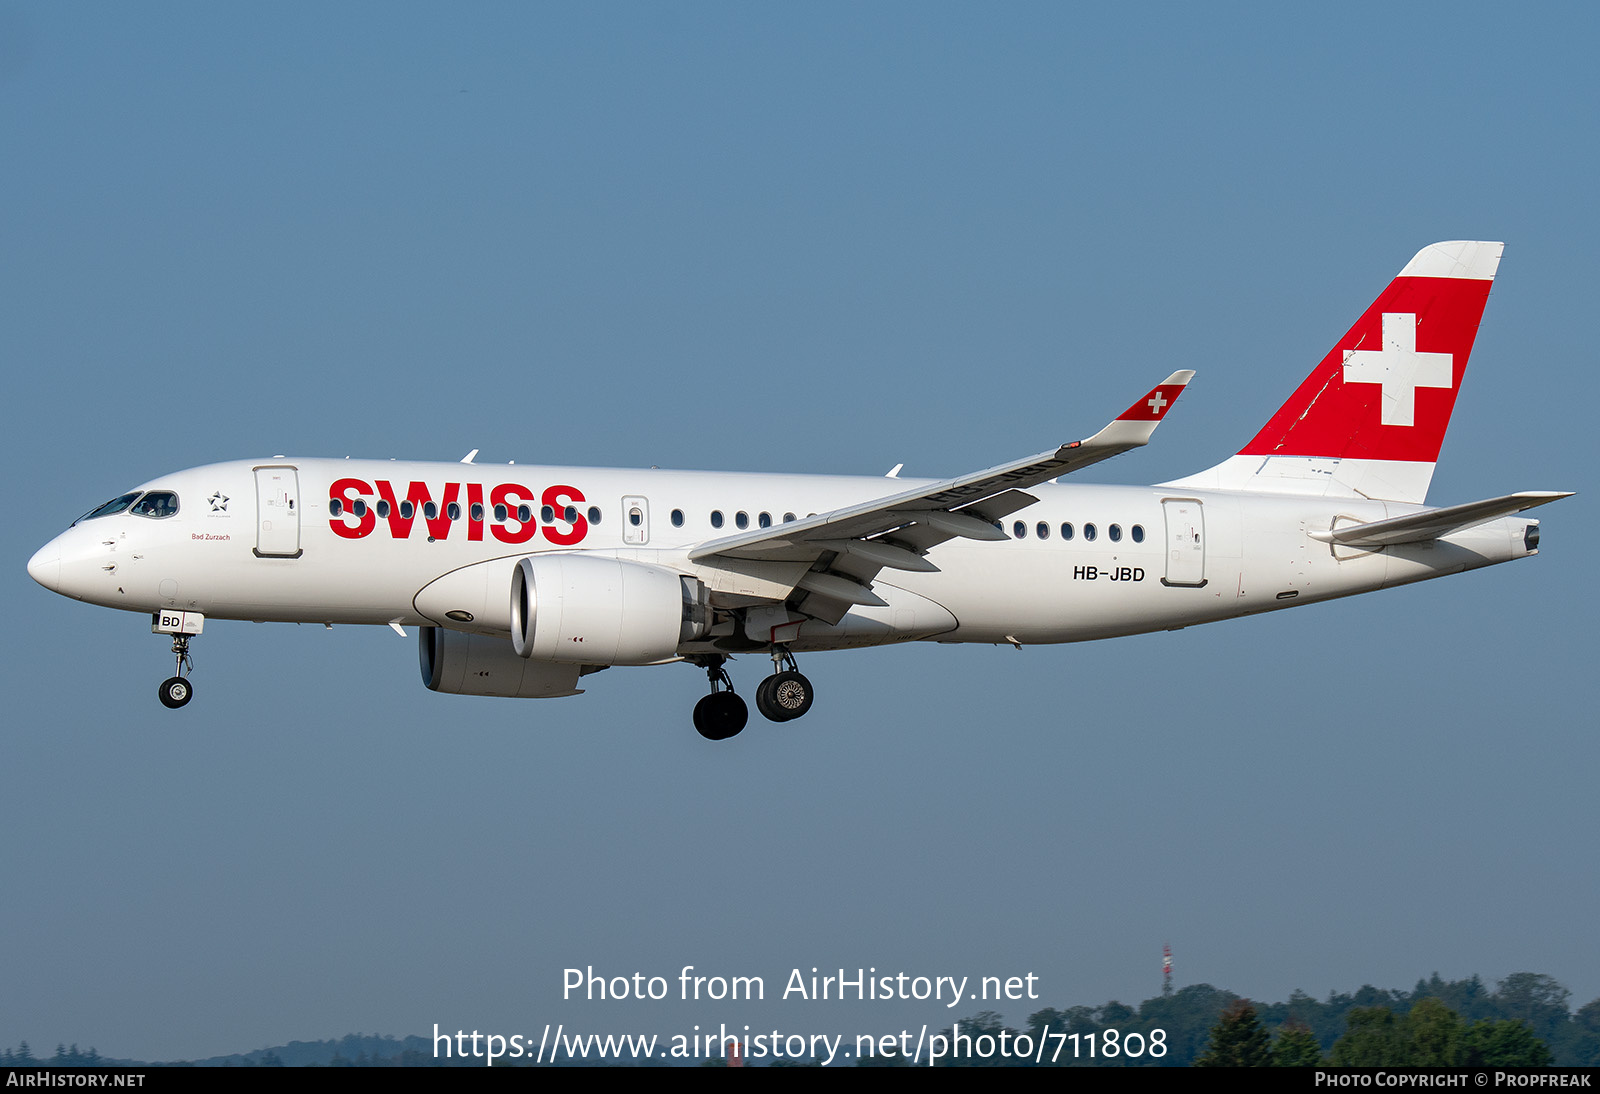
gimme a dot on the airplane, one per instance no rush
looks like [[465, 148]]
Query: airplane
[[525, 579]]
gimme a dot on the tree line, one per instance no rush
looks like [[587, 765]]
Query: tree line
[[1524, 1021], [1430, 1034]]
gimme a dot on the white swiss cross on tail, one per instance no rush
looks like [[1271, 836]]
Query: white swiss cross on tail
[[1399, 368]]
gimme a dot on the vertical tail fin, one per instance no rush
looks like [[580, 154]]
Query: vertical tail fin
[[1370, 419]]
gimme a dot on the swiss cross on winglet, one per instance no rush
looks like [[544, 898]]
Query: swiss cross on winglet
[[1153, 407], [1134, 426]]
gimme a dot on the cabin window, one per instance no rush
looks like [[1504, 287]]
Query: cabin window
[[1020, 529], [1066, 531], [716, 518], [453, 511], [594, 514], [677, 518], [635, 516], [477, 511], [1115, 532], [788, 518], [1089, 531], [547, 515], [742, 519], [1138, 533], [383, 509], [407, 510], [1042, 530], [501, 513], [525, 514]]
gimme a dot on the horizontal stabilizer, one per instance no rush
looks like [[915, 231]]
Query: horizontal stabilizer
[[1436, 523]]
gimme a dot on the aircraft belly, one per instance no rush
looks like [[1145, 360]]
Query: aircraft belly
[[907, 617], [1051, 594]]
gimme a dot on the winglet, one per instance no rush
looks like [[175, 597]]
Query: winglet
[[1135, 425], [1153, 407]]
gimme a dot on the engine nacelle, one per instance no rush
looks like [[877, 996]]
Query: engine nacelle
[[474, 664], [575, 607], [471, 599]]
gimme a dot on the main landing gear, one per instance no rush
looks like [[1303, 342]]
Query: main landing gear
[[781, 697], [785, 695], [721, 714], [175, 691]]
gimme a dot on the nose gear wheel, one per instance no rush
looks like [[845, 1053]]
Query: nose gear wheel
[[175, 692]]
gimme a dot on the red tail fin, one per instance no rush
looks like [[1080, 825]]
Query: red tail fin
[[1370, 419]]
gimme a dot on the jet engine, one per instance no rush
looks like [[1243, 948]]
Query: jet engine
[[603, 611], [476, 664]]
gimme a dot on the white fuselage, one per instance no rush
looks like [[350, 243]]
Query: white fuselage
[[1160, 557]]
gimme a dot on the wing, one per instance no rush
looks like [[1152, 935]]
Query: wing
[[842, 552]]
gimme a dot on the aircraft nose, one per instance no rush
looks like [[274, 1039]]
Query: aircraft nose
[[45, 566]]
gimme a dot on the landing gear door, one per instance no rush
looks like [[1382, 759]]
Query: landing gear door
[[277, 512], [1186, 542], [635, 521]]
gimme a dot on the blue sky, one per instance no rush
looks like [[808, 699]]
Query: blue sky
[[821, 238]]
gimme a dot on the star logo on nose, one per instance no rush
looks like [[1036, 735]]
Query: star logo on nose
[[219, 502]]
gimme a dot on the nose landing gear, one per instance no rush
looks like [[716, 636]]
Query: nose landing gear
[[175, 691]]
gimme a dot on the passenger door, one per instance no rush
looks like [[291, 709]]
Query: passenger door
[[277, 512]]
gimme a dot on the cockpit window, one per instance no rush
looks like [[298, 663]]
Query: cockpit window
[[157, 504], [115, 505]]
